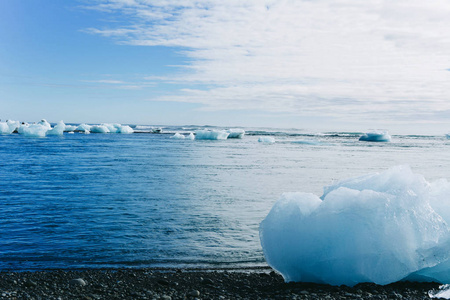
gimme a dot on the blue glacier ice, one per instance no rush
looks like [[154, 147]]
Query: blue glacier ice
[[377, 228]]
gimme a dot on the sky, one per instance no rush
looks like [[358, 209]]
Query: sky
[[313, 64]]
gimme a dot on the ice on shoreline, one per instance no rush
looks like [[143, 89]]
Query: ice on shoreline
[[376, 228]]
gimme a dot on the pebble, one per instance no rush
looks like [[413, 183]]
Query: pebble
[[77, 282], [194, 293]]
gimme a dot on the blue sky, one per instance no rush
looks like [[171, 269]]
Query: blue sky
[[325, 65]]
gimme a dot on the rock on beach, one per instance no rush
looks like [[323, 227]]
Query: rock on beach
[[171, 284]]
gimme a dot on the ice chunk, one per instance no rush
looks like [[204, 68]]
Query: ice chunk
[[191, 136], [376, 136], [33, 130], [44, 123], [125, 129], [9, 126], [70, 128], [84, 128], [442, 293], [376, 228], [236, 133], [58, 129], [266, 139], [99, 129], [178, 136], [211, 135], [112, 128]]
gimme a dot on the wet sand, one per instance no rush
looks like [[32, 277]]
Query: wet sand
[[188, 284]]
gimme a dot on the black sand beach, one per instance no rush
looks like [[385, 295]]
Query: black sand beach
[[188, 284]]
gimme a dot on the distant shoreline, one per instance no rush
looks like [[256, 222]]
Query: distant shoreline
[[168, 283]]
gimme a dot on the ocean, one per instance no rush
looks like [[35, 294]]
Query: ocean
[[149, 200]]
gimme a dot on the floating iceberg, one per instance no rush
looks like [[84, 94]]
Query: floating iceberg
[[44, 123], [9, 126], [58, 129], [178, 136], [70, 128], [376, 136], [377, 228], [125, 129], [84, 128], [211, 135], [236, 133], [33, 130], [99, 129], [266, 139], [191, 136]]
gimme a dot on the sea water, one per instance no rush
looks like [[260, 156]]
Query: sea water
[[148, 200]]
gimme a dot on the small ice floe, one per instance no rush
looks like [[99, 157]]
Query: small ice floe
[[99, 129], [308, 142], [266, 140], [70, 128], [156, 130], [211, 135], [376, 136], [236, 133], [33, 130], [58, 129], [178, 136], [9, 126], [378, 228], [84, 128], [191, 136]]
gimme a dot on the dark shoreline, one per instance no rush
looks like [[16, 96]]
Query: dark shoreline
[[169, 284]]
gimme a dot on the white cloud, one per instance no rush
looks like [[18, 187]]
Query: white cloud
[[386, 59]]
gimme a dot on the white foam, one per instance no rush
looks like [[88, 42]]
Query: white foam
[[375, 228], [211, 135], [376, 136]]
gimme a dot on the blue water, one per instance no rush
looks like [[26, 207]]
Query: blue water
[[147, 200]]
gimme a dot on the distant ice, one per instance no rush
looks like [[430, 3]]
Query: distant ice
[[99, 129], [376, 136], [125, 129], [33, 130], [236, 133], [178, 136], [376, 228], [266, 139], [211, 135], [84, 127], [70, 128], [9, 127], [58, 129], [191, 136]]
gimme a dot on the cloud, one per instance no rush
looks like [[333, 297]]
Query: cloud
[[386, 59]]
